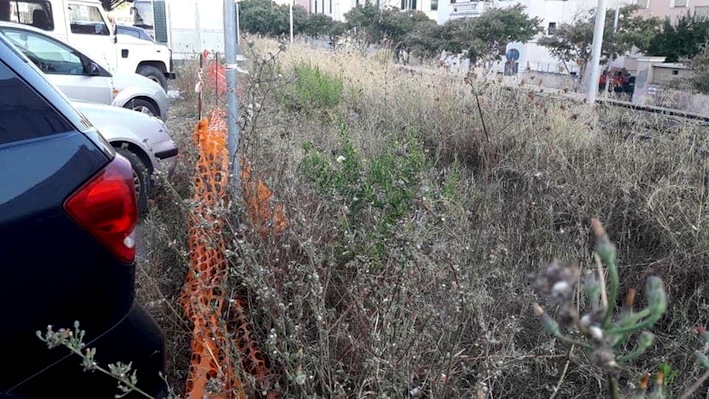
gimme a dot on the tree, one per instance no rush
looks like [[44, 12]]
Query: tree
[[318, 25], [683, 39], [363, 20], [699, 81], [335, 32], [267, 18], [485, 37], [700, 66], [491, 32], [573, 42], [385, 26]]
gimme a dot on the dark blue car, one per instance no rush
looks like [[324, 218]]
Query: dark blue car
[[67, 248]]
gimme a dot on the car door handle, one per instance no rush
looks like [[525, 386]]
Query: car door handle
[[124, 53]]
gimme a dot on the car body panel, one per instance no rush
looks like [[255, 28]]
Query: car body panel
[[54, 271], [146, 132], [129, 87]]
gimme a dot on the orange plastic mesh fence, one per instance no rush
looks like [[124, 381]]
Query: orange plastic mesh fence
[[213, 373], [264, 216]]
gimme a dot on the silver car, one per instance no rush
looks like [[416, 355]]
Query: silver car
[[84, 79], [142, 139]]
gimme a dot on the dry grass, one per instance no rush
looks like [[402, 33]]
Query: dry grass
[[439, 301]]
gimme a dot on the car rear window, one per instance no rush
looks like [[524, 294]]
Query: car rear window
[[23, 113]]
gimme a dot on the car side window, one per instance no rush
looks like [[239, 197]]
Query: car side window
[[49, 55], [87, 20], [34, 13], [24, 114]]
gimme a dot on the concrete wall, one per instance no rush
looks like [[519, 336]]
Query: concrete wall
[[688, 102], [664, 74]]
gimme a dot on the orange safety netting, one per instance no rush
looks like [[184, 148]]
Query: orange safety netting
[[258, 203], [213, 373], [217, 72]]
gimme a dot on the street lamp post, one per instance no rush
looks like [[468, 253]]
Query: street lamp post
[[230, 48], [238, 28], [615, 30], [592, 92], [291, 20]]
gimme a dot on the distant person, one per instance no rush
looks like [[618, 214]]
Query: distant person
[[603, 81]]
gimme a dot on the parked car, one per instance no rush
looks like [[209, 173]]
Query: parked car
[[82, 78], [134, 31], [142, 139], [67, 245]]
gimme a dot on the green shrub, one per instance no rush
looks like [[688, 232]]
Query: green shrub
[[312, 89], [386, 184]]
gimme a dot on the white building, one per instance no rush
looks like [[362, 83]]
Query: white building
[[553, 13], [336, 9]]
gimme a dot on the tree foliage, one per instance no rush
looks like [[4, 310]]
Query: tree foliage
[[683, 39], [573, 42], [385, 26], [484, 38], [700, 65], [264, 17]]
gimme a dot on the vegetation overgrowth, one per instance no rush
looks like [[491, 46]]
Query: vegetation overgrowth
[[420, 209]]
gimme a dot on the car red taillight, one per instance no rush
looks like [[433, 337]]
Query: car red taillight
[[106, 207]]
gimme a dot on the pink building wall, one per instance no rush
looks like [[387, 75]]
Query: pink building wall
[[673, 8]]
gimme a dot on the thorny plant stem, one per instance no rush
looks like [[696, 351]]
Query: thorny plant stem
[[613, 387], [108, 373], [563, 373], [601, 281], [696, 386], [613, 275], [482, 117]]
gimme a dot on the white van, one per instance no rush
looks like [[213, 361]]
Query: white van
[[187, 26], [84, 25]]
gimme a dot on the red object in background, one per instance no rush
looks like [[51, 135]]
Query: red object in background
[[216, 73]]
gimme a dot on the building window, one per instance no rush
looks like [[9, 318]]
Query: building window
[[331, 7], [434, 5], [680, 3], [701, 11], [643, 3], [552, 28], [452, 1]]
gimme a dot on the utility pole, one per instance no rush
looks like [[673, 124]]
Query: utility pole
[[598, 28], [238, 28], [291, 20], [231, 99], [615, 30]]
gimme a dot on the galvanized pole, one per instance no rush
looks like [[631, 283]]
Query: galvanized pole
[[592, 87], [238, 28], [232, 101], [615, 30], [291, 21]]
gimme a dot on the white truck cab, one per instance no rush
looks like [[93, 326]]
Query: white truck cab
[[85, 25]]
